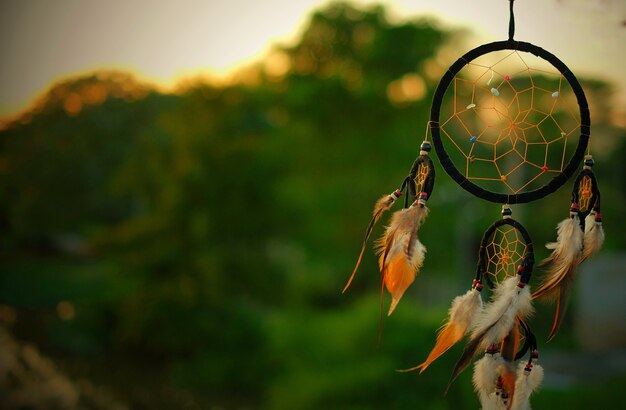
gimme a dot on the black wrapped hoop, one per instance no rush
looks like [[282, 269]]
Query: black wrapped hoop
[[530, 342], [527, 262], [555, 182]]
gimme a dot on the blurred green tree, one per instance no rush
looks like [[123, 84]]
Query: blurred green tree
[[202, 237]]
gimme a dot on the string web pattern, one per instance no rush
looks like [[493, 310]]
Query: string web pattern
[[585, 193], [509, 121], [420, 177], [503, 254]]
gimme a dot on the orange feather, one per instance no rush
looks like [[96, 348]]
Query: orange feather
[[447, 337], [508, 385], [401, 253], [399, 275], [462, 312]]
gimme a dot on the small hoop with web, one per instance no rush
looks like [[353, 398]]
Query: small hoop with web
[[506, 250]]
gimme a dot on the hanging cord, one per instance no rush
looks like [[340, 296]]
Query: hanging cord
[[511, 21]]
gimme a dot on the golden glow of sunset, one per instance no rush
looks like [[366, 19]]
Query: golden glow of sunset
[[42, 42]]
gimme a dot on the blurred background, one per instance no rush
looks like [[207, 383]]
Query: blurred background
[[184, 189]]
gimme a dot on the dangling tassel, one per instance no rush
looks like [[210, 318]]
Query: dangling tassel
[[561, 266], [401, 253], [529, 379], [510, 299], [568, 251], [382, 205], [461, 315], [594, 233]]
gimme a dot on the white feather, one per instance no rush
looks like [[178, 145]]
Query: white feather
[[485, 376], [569, 239], [526, 384], [493, 402], [594, 236], [498, 317], [536, 377], [521, 401], [465, 307], [416, 259]]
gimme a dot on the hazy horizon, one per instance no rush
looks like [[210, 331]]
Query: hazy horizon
[[46, 42]]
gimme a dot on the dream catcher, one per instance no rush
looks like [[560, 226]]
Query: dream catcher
[[510, 124]]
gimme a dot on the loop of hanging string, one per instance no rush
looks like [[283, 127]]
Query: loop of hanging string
[[511, 21]]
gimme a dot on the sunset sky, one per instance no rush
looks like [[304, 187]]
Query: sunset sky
[[42, 41]]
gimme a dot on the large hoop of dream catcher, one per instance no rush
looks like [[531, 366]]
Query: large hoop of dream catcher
[[523, 123]]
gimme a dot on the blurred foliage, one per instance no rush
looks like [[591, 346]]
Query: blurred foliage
[[201, 239]]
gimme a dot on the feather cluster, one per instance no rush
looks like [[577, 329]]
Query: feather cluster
[[401, 253], [573, 246], [496, 320], [461, 314], [561, 267]]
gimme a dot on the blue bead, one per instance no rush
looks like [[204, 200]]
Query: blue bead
[[473, 139]]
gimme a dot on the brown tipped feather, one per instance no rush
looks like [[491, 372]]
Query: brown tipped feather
[[561, 267], [561, 306], [448, 336], [466, 358], [561, 264], [383, 204]]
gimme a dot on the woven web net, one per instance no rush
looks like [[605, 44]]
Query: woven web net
[[504, 253], [509, 122], [585, 193], [420, 177]]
